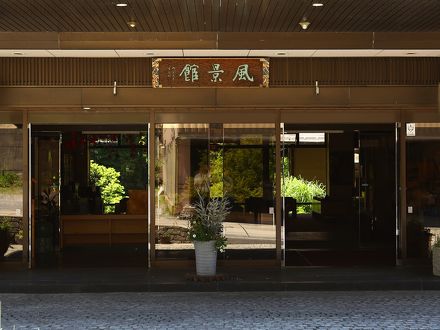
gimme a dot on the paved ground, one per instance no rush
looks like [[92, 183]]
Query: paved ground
[[251, 310], [10, 203], [236, 232]]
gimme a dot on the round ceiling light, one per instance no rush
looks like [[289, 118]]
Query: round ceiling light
[[132, 24], [317, 4], [121, 4]]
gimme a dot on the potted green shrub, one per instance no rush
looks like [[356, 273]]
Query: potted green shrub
[[436, 257], [5, 235], [206, 232]]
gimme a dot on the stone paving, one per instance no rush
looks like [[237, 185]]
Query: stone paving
[[243, 310]]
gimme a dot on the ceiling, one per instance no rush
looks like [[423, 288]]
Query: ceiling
[[220, 53], [219, 15]]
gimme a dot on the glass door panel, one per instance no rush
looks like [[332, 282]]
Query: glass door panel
[[423, 191], [234, 161], [182, 152], [89, 192], [248, 179], [338, 187], [45, 192]]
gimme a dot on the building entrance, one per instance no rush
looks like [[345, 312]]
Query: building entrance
[[89, 195], [338, 189]]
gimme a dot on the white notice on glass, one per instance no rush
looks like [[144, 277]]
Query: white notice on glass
[[410, 129]]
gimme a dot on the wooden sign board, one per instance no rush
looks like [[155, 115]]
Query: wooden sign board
[[210, 72]]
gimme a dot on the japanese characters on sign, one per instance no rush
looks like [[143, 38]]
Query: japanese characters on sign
[[210, 72]]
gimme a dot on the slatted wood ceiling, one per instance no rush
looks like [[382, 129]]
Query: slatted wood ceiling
[[53, 72], [219, 15]]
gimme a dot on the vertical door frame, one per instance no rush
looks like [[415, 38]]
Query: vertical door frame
[[278, 181], [151, 187], [27, 207], [401, 218]]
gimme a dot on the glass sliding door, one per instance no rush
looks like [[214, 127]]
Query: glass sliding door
[[182, 152], [234, 161], [248, 154], [45, 192], [423, 191], [90, 195], [338, 190]]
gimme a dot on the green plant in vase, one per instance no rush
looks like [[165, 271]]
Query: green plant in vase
[[206, 232]]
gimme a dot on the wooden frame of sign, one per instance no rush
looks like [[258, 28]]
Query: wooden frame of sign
[[210, 72]]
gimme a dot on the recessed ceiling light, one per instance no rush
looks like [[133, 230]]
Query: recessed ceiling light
[[86, 108], [18, 53], [411, 53], [149, 54], [121, 4], [132, 24], [304, 23], [281, 53], [317, 4]]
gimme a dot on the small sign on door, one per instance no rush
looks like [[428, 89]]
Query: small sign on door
[[410, 129]]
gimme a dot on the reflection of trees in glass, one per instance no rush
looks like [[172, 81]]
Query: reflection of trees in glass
[[10, 182], [107, 179], [285, 167], [129, 158], [237, 173], [303, 191], [216, 174]]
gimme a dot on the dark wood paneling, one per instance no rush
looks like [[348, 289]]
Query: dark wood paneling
[[219, 15], [32, 40], [75, 71], [354, 71], [219, 40], [303, 40], [137, 40], [226, 98], [406, 40], [71, 72]]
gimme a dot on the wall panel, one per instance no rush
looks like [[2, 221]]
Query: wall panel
[[284, 72], [49, 71]]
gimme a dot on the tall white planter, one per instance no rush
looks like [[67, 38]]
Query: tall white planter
[[206, 258], [436, 261]]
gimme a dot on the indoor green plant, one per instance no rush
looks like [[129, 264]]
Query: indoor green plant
[[5, 235], [436, 257], [206, 232]]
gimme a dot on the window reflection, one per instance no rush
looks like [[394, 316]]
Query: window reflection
[[104, 173], [11, 193], [234, 161], [423, 191]]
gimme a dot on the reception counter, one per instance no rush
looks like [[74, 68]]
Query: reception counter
[[107, 230]]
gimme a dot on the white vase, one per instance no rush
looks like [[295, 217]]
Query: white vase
[[436, 261], [206, 258]]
